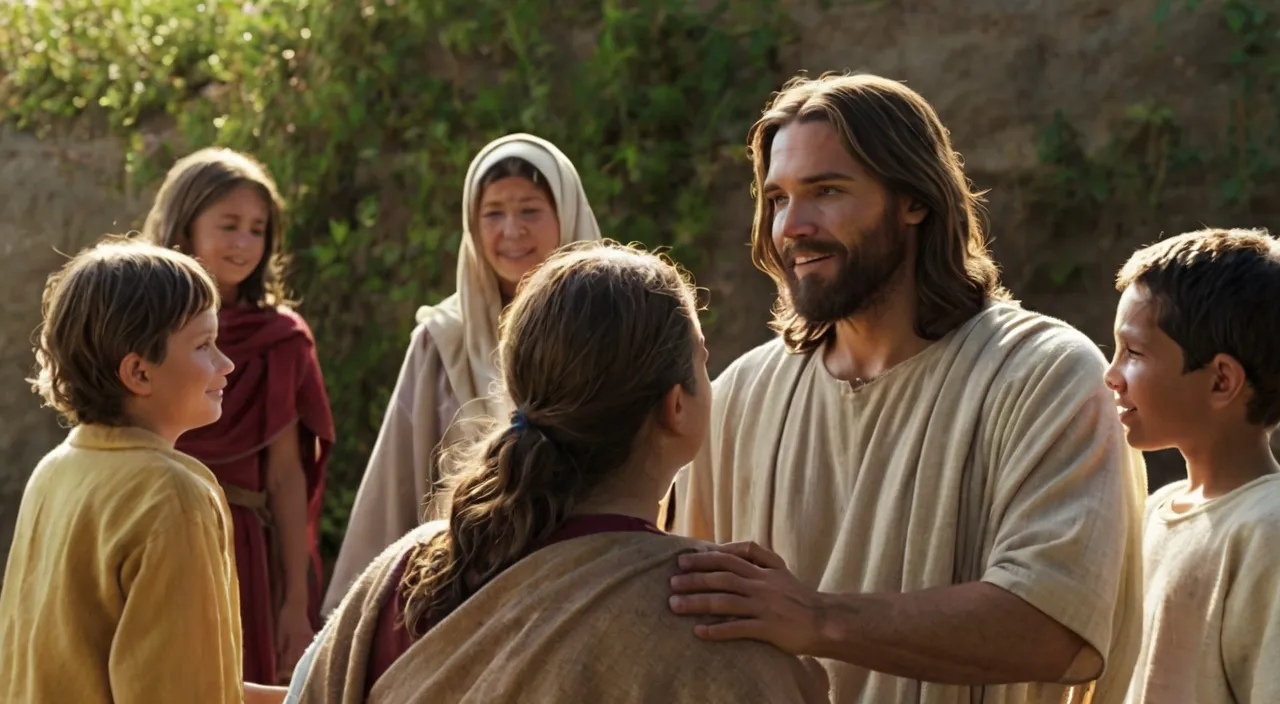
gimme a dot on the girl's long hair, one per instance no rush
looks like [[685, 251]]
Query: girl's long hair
[[201, 179]]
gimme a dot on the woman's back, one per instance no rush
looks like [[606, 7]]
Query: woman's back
[[584, 619]]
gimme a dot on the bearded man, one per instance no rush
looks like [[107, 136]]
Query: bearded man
[[924, 485]]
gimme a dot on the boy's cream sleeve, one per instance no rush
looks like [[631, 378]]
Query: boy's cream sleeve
[[1251, 615], [179, 637]]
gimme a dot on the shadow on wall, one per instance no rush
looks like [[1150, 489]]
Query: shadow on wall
[[1164, 467]]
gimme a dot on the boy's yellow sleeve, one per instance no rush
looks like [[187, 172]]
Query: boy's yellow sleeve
[[179, 637]]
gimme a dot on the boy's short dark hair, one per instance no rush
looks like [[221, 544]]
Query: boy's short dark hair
[[1218, 292], [119, 296]]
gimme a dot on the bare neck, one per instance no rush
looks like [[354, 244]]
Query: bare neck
[[139, 418], [633, 491], [874, 341], [1228, 461], [643, 507]]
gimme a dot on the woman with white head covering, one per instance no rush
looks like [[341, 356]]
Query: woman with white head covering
[[522, 199]]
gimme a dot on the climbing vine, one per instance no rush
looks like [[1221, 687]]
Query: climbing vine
[[368, 112], [1149, 146], [1145, 149]]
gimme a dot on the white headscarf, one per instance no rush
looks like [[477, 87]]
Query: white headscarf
[[465, 325]]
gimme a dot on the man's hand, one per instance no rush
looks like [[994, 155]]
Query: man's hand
[[753, 586], [970, 634]]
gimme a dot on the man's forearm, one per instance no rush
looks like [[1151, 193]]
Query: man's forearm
[[969, 634]]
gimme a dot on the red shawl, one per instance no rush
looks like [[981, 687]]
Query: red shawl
[[276, 383]]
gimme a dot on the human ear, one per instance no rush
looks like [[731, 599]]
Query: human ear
[[912, 211], [1230, 383], [672, 410], [134, 373]]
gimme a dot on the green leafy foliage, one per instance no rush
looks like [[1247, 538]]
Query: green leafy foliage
[[1253, 134], [1143, 150], [368, 112], [1149, 145]]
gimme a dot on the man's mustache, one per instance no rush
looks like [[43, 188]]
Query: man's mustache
[[812, 249]]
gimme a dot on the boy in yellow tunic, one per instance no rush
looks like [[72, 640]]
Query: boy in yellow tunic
[[1197, 367], [120, 586]]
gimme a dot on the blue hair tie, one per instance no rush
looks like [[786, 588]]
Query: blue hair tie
[[519, 420]]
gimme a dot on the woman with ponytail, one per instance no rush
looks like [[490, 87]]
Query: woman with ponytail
[[548, 581]]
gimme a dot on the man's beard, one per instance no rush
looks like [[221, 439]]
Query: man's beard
[[862, 280]]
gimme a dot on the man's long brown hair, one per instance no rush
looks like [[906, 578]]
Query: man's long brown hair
[[594, 340], [897, 137]]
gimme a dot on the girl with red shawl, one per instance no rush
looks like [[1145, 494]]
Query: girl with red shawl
[[269, 448]]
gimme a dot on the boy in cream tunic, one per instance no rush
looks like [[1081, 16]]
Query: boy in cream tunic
[[1197, 367], [929, 484]]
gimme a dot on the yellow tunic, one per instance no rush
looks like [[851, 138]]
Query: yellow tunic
[[120, 585]]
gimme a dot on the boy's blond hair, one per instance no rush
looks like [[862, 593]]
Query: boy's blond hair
[[117, 297]]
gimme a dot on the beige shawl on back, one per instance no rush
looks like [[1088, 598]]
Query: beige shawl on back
[[444, 392], [585, 620]]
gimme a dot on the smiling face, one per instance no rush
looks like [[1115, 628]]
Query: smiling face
[[183, 391], [1160, 405], [190, 380], [230, 238], [840, 235], [518, 229]]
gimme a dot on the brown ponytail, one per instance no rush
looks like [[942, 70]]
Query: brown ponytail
[[593, 341]]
